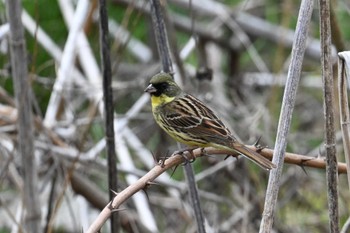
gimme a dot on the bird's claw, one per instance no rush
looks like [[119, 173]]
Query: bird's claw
[[183, 153], [228, 156]]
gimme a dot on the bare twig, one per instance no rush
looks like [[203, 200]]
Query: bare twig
[[346, 226], [328, 93], [108, 107], [85, 54], [255, 26], [178, 159], [161, 36], [302, 160], [66, 63], [194, 197], [25, 118], [140, 199], [299, 46], [344, 61], [137, 186]]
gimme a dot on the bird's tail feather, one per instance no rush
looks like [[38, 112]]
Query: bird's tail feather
[[253, 156]]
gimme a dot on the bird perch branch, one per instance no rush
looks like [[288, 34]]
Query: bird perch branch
[[177, 159]]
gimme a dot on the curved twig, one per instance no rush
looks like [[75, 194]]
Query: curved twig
[[178, 159]]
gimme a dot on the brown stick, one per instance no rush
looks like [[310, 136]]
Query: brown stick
[[302, 160], [177, 159]]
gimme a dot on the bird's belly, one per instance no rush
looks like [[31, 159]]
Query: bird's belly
[[185, 139], [180, 136]]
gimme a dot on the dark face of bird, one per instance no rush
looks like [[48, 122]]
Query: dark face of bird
[[163, 83]]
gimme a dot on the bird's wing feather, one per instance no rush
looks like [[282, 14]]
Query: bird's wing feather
[[190, 115]]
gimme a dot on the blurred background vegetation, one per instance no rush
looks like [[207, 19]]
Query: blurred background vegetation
[[249, 68]]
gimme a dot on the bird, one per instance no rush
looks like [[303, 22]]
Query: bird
[[189, 121]]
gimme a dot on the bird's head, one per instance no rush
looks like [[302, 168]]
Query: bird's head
[[163, 84]]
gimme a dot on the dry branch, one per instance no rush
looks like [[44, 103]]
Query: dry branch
[[303, 160], [329, 122], [25, 119], [108, 107], [343, 76], [176, 160], [289, 96], [66, 65], [251, 24]]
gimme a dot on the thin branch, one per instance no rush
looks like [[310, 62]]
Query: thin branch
[[289, 97], [140, 199], [85, 54], [328, 92], [161, 35], [66, 63], [25, 118], [176, 160], [194, 197], [302, 160], [343, 63], [346, 226], [109, 108]]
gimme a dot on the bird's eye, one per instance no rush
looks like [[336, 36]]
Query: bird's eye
[[163, 86]]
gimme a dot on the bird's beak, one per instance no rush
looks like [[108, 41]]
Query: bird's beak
[[150, 89]]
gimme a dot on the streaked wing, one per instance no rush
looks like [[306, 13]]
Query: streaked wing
[[186, 114]]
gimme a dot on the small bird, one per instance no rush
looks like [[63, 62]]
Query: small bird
[[189, 121]]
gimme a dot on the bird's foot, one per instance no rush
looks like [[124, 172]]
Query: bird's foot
[[187, 154], [231, 155]]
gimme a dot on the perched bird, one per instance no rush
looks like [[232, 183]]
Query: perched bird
[[189, 121]]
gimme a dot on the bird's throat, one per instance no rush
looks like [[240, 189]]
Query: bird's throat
[[161, 100]]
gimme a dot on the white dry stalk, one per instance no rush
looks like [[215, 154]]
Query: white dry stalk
[[344, 63], [270, 79], [35, 30], [140, 199], [214, 169], [4, 30], [16, 227], [85, 54], [132, 112], [218, 84], [223, 13], [256, 26], [146, 157], [288, 102], [246, 42], [346, 57], [280, 34], [66, 63], [138, 49], [48, 44], [84, 211]]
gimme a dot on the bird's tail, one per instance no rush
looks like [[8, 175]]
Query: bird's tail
[[253, 156]]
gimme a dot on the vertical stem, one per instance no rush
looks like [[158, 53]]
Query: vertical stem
[[197, 209], [164, 54], [299, 46], [25, 118], [108, 106], [161, 36], [327, 77], [344, 111]]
